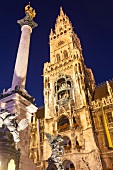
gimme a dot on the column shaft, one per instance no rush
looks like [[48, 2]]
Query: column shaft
[[20, 71]]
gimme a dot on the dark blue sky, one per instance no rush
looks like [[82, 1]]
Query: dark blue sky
[[92, 21]]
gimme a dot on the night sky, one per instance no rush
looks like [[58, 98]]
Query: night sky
[[92, 21]]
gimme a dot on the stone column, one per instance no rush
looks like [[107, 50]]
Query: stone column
[[20, 71]]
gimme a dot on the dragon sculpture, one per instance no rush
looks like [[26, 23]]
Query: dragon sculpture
[[57, 151]]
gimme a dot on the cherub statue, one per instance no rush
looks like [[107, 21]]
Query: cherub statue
[[57, 150], [10, 121]]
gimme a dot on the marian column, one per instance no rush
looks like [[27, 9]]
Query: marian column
[[20, 71], [16, 99]]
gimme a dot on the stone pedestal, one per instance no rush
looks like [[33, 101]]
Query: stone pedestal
[[20, 103]]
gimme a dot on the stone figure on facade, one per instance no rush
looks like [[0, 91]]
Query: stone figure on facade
[[57, 151], [10, 121]]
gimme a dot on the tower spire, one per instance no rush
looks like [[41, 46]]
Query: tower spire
[[109, 89], [61, 11]]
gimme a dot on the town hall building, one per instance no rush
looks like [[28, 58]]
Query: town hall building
[[74, 107]]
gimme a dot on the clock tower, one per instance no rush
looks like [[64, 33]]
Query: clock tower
[[68, 89]]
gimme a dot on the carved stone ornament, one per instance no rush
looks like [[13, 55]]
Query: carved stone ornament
[[10, 121], [27, 20], [57, 150]]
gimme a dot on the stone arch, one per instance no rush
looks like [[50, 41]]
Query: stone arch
[[68, 165], [63, 123]]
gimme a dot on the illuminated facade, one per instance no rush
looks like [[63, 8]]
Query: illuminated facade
[[73, 106]]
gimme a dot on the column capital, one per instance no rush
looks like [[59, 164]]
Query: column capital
[[27, 20], [26, 26]]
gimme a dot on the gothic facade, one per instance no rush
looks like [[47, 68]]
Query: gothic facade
[[73, 107]]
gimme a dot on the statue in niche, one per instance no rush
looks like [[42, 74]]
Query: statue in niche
[[57, 150], [10, 121], [64, 95], [63, 86]]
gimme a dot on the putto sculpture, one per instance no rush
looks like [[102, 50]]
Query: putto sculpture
[[57, 151], [11, 122]]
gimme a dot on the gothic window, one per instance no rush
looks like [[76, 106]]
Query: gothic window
[[56, 109], [58, 57], [74, 56], [63, 124], [74, 120], [109, 117], [67, 144], [75, 68], [80, 71], [65, 54], [68, 165], [41, 136], [47, 84], [60, 29]]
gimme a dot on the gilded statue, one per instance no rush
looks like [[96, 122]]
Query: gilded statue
[[30, 11]]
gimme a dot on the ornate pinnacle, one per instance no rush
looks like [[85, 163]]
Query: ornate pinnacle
[[61, 11], [28, 19]]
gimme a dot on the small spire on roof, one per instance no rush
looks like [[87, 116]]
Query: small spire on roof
[[51, 32], [109, 89], [61, 11]]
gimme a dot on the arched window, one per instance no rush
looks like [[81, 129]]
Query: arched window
[[63, 124], [57, 57], [11, 165], [80, 71], [65, 54], [68, 165], [67, 144]]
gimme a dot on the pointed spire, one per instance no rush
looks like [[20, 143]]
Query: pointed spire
[[61, 11], [51, 33], [109, 89]]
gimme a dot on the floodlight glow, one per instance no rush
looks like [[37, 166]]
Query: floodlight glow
[[11, 165]]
